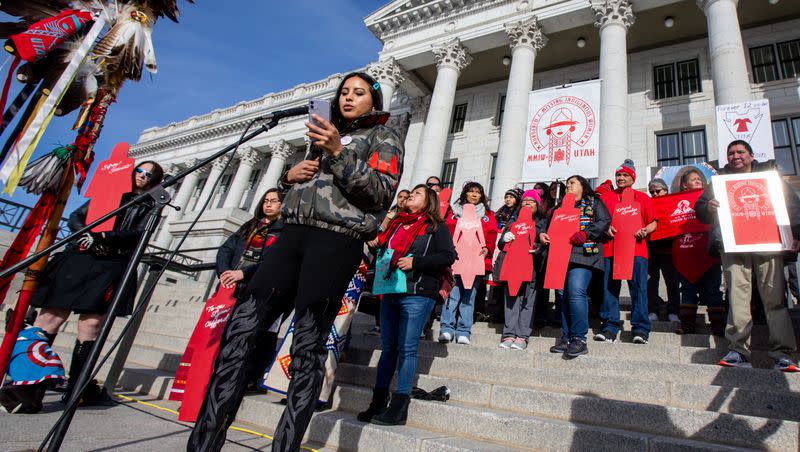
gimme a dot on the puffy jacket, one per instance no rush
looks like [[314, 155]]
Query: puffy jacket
[[230, 253], [708, 216], [351, 192]]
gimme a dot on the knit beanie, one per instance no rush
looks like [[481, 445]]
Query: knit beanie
[[513, 192], [628, 168], [534, 195], [659, 182]]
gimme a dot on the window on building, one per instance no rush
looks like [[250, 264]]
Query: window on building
[[449, 173], [459, 116], [222, 190], [786, 142], [763, 61], [677, 79], [681, 148], [493, 170], [789, 55], [501, 108], [250, 194], [196, 194]]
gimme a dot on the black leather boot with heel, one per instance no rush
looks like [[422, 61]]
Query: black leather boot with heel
[[380, 399], [396, 413]]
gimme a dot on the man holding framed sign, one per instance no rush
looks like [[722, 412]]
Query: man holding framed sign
[[748, 217]]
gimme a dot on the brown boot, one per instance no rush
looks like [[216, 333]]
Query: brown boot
[[687, 313], [718, 318]]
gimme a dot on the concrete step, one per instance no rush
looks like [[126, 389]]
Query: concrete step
[[168, 343]]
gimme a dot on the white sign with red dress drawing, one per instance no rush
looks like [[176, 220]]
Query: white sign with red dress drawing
[[748, 121], [563, 132]]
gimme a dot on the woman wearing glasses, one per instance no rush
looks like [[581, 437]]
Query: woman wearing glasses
[[83, 278]]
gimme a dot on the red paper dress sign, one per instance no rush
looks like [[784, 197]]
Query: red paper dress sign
[[468, 240], [518, 263], [752, 213], [675, 215], [566, 221], [111, 180], [197, 362], [690, 256], [626, 219], [444, 201]]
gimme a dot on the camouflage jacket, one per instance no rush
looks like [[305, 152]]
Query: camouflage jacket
[[351, 192]]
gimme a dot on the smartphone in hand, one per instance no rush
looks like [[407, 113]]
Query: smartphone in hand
[[319, 107]]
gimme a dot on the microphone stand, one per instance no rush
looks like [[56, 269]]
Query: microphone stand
[[159, 195]]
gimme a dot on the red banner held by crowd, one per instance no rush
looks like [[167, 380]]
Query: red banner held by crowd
[[675, 215], [690, 256]]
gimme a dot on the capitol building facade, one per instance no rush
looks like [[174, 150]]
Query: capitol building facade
[[458, 73]]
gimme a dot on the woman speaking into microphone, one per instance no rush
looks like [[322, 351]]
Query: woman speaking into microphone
[[335, 201]]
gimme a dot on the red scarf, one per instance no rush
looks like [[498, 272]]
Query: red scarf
[[402, 237]]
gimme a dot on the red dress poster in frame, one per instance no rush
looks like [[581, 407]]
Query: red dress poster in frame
[[676, 216], [626, 219], [752, 213], [518, 263], [111, 180], [566, 221]]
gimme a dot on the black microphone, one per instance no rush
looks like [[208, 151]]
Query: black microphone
[[280, 114]]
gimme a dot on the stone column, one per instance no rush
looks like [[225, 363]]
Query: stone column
[[614, 17], [451, 59], [216, 172], [728, 65], [248, 159], [281, 150], [390, 75], [419, 107], [181, 199], [526, 40]]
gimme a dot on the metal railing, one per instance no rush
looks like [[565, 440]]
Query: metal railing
[[13, 215]]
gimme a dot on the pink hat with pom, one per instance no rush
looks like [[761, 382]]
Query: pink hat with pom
[[532, 194]]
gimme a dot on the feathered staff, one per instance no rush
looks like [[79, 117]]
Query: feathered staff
[[121, 54]]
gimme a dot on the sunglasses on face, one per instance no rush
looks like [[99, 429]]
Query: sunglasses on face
[[657, 191], [432, 184], [144, 173]]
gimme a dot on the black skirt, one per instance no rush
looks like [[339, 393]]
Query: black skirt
[[83, 283]]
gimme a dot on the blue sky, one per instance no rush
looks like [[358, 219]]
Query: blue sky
[[222, 53]]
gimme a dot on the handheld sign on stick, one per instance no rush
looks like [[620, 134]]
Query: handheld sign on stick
[[468, 239], [518, 263], [111, 180], [566, 222], [444, 201], [626, 219]]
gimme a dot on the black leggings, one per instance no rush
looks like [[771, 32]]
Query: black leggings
[[311, 267]]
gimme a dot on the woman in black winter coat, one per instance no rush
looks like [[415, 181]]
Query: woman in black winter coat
[[418, 248], [83, 279], [585, 261]]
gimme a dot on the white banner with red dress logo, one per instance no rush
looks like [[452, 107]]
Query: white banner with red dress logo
[[748, 121], [563, 132]]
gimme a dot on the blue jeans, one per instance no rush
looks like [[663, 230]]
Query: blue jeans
[[609, 310], [707, 287], [461, 300], [402, 320], [575, 305]]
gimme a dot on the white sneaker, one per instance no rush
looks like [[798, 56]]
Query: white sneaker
[[653, 317], [674, 318], [462, 340], [445, 337]]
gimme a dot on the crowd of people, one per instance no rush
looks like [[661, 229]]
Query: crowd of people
[[307, 239]]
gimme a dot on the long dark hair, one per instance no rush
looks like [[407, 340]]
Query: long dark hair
[[258, 214], [374, 89], [462, 199], [588, 192], [431, 208], [155, 179]]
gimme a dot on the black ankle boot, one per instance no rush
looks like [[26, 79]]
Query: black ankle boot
[[397, 412], [80, 353], [380, 399]]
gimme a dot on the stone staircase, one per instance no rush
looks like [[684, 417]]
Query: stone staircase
[[665, 396]]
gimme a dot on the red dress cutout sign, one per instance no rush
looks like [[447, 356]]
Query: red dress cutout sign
[[518, 263], [690, 256], [111, 180], [626, 219], [676, 216], [197, 362], [468, 239], [566, 222], [444, 201]]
